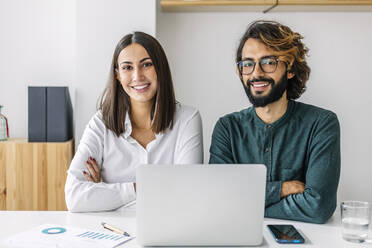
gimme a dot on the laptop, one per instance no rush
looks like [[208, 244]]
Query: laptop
[[200, 205]]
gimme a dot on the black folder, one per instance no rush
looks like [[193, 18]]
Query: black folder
[[50, 114], [59, 114], [37, 120]]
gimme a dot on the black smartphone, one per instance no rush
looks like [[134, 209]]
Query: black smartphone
[[286, 234]]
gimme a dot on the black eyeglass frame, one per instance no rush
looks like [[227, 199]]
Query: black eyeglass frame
[[259, 62]]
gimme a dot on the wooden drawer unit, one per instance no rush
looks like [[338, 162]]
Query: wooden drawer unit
[[33, 175]]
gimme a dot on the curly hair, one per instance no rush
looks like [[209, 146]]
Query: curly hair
[[287, 45]]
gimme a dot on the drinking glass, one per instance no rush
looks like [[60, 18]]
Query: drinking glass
[[355, 218]]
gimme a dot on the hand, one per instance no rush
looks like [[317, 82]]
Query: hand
[[292, 187], [94, 174]]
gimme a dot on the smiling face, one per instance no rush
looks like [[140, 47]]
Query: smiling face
[[262, 87], [136, 73]]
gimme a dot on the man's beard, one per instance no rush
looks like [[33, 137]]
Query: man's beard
[[276, 91]]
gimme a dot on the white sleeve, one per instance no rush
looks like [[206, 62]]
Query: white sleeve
[[190, 149], [84, 196]]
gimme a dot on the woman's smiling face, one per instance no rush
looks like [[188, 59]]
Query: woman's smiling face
[[137, 74]]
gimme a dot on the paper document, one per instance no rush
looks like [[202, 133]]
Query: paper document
[[58, 236]]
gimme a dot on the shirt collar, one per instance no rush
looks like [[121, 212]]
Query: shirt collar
[[128, 126], [282, 119]]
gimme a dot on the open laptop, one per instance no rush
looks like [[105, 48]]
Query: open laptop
[[200, 205]]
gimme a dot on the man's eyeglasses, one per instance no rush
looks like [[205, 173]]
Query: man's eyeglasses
[[267, 65]]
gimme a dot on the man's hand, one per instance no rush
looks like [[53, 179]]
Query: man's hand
[[94, 174], [291, 188]]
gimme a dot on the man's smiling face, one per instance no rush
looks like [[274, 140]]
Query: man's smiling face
[[263, 87]]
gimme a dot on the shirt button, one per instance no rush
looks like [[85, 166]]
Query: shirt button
[[267, 149]]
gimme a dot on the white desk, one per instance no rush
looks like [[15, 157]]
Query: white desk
[[12, 222]]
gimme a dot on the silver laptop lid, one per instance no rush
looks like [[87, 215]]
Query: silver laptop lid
[[200, 205]]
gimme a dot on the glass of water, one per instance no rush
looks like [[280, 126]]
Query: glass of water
[[355, 218]]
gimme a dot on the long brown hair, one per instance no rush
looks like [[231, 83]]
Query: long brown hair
[[115, 102], [288, 46]]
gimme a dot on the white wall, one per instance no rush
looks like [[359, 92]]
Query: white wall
[[201, 47], [37, 47]]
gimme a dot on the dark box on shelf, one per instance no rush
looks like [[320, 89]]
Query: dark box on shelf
[[49, 114]]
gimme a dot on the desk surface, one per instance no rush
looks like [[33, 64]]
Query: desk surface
[[12, 222]]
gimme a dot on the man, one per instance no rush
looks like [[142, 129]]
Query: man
[[298, 143]]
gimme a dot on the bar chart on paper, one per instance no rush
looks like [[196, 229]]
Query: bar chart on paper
[[99, 236], [51, 235]]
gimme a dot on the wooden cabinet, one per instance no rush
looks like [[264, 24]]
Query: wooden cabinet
[[33, 175], [254, 5]]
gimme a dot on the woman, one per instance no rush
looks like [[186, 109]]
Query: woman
[[138, 122]]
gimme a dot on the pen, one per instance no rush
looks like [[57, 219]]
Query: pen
[[114, 229]]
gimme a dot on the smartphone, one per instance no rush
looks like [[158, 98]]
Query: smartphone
[[286, 234]]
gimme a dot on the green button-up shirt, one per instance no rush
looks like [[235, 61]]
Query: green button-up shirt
[[304, 145]]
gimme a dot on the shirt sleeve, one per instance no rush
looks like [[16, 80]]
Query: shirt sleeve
[[318, 202], [273, 191], [84, 196], [220, 150], [190, 147]]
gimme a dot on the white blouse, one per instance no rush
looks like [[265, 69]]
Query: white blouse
[[118, 158]]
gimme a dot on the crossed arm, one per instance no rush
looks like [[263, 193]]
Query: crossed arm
[[84, 190], [94, 172]]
